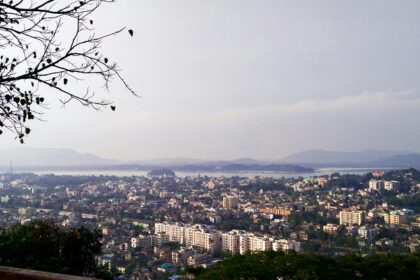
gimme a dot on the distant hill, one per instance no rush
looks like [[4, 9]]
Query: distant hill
[[33, 159], [338, 157], [232, 167], [24, 156], [407, 160], [169, 161], [247, 161], [188, 161], [66, 159]]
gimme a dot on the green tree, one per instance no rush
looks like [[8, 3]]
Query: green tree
[[42, 245], [279, 265]]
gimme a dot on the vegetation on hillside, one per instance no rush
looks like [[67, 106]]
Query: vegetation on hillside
[[278, 265], [42, 245]]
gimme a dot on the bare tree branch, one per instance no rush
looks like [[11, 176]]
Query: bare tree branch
[[34, 55]]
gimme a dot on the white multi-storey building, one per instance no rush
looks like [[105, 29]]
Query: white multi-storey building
[[351, 217], [205, 238], [234, 242], [376, 185], [231, 242], [286, 245], [191, 236], [175, 232], [367, 232], [258, 243], [392, 185], [241, 242]]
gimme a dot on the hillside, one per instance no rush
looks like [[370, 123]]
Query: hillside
[[337, 157], [278, 265], [407, 160], [23, 156]]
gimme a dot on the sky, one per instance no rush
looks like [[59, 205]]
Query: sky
[[230, 79]]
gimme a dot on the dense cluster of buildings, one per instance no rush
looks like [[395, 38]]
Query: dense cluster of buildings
[[233, 242], [156, 226]]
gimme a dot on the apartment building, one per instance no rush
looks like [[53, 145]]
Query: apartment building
[[241, 242], [234, 242], [392, 185], [175, 232], [276, 211], [351, 217], [286, 245], [205, 238], [330, 228], [258, 243], [191, 236], [231, 242], [230, 202], [376, 185], [367, 232], [395, 219]]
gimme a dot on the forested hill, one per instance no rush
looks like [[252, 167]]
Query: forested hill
[[278, 265]]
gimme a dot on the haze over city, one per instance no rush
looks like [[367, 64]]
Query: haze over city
[[224, 80]]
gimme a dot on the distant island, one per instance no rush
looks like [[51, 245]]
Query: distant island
[[156, 171], [237, 167], [161, 173]]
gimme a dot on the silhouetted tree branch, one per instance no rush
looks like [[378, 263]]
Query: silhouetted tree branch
[[37, 53]]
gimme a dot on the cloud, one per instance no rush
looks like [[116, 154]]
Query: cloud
[[371, 119], [383, 120], [367, 100]]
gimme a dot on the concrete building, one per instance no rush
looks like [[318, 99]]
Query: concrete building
[[258, 243], [204, 238], [234, 242], [351, 217], [175, 232], [191, 236], [230, 202], [276, 211], [330, 228], [398, 217], [286, 245], [392, 185], [231, 242], [142, 241], [367, 232], [160, 239], [376, 185], [395, 219]]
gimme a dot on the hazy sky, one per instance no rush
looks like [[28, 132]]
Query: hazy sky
[[228, 79]]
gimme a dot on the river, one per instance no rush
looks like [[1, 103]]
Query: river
[[121, 173]]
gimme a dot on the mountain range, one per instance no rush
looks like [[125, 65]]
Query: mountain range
[[34, 157], [365, 158], [338, 157], [24, 156]]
